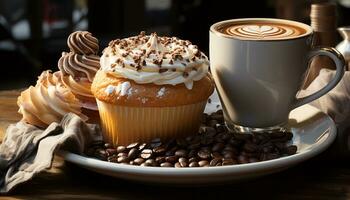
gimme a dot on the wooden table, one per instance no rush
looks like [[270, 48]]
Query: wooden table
[[319, 178]]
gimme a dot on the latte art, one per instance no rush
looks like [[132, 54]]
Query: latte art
[[261, 31]]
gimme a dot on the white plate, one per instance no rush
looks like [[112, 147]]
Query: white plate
[[313, 132]]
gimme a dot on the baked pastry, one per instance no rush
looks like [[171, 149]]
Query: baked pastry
[[48, 101], [78, 68], [150, 86]]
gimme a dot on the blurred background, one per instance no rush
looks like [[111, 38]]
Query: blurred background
[[33, 33]]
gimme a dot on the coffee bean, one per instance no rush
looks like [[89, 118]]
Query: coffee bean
[[146, 153], [221, 128], [250, 147], [133, 153], [248, 154], [121, 149], [156, 140], [240, 136], [101, 154], [192, 153], [189, 138], [218, 147], [235, 142], [139, 161], [267, 149], [215, 162], [113, 159], [132, 145], [170, 143], [194, 146], [183, 162], [181, 142], [160, 159], [193, 164], [206, 140], [272, 156], [216, 155], [142, 146], [122, 154], [181, 153], [205, 148], [277, 134], [90, 152], [146, 165], [123, 159], [151, 162], [111, 151], [217, 117], [207, 131], [203, 163], [292, 149], [243, 159], [289, 136], [159, 150], [281, 146], [212, 123], [228, 154], [193, 159], [252, 160], [228, 161], [166, 164], [230, 148], [177, 165], [155, 143], [108, 145], [169, 153], [182, 159], [170, 159], [203, 154]]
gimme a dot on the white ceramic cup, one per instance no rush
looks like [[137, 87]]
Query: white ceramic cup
[[258, 79]]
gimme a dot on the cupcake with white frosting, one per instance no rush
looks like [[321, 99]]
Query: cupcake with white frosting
[[150, 86]]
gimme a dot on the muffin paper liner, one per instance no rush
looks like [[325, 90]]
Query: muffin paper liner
[[122, 125]]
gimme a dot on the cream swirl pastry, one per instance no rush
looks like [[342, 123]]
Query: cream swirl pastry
[[79, 65], [82, 42], [48, 101], [153, 59]]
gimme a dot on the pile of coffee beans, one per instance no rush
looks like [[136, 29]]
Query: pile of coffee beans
[[214, 145]]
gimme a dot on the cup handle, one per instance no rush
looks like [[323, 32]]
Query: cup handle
[[338, 59]]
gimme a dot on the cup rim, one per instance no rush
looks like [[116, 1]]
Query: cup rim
[[309, 30]]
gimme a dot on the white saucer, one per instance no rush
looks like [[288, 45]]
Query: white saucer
[[313, 132]]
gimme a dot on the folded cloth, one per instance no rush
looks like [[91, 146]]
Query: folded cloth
[[27, 150], [336, 103]]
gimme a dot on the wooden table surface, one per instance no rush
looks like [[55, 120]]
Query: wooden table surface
[[318, 178]]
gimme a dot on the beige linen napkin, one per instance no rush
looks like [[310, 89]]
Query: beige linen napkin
[[27, 150], [336, 104]]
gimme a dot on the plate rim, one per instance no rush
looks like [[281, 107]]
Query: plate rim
[[283, 162]]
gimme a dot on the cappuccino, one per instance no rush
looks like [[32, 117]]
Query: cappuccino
[[258, 66], [260, 30]]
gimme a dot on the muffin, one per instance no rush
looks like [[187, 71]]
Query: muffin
[[78, 68], [48, 101], [150, 86]]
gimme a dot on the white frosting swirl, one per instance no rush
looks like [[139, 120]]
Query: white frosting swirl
[[153, 59]]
